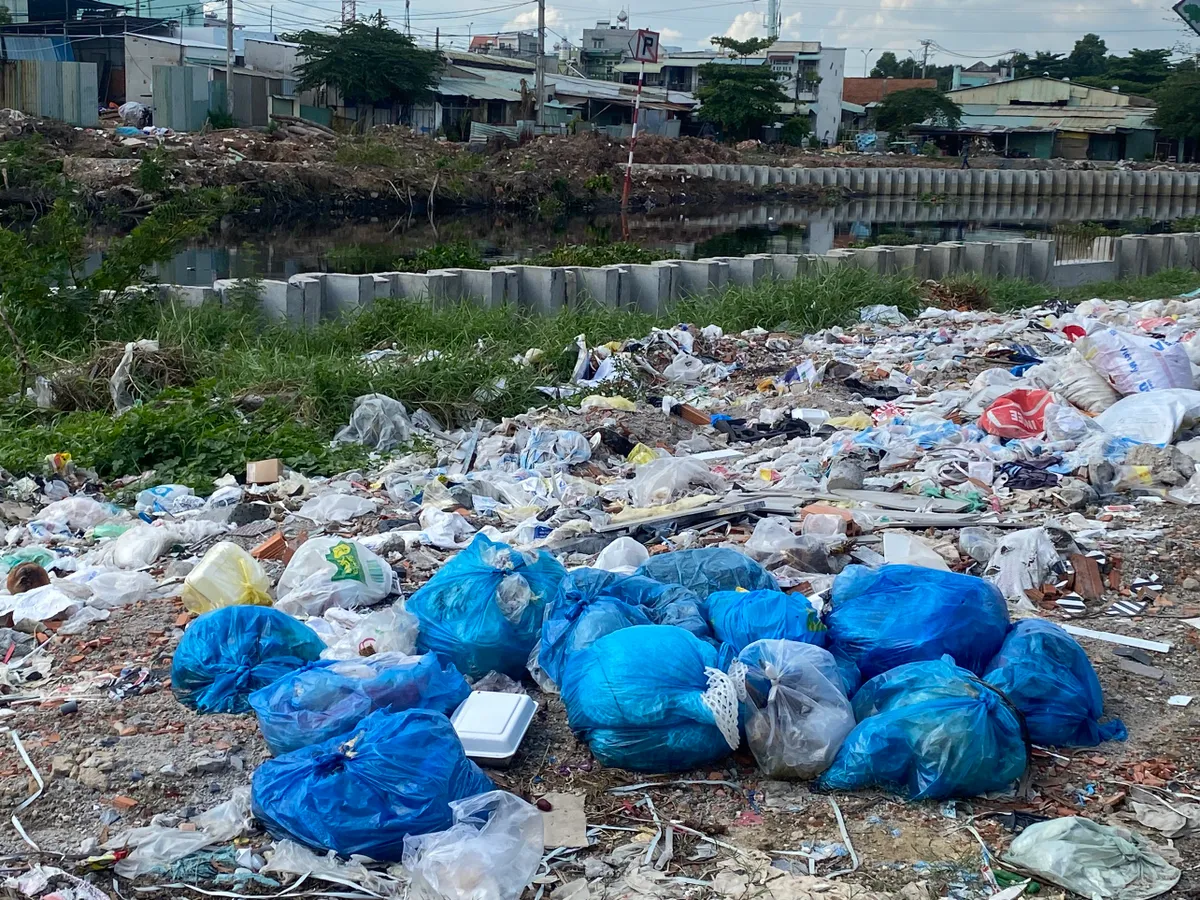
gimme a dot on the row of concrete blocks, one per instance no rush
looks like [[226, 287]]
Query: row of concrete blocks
[[308, 299], [919, 180]]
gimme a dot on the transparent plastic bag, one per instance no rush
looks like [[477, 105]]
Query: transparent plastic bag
[[158, 846], [491, 852], [390, 630], [377, 422], [623, 555], [977, 543], [1022, 560], [664, 480], [684, 369], [334, 507], [58, 600], [139, 546], [78, 513], [327, 572], [793, 705], [226, 576]]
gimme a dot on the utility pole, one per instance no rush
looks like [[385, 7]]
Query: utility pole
[[925, 58], [773, 19], [271, 20], [407, 23], [349, 11], [540, 80], [181, 39], [437, 37], [229, 57]]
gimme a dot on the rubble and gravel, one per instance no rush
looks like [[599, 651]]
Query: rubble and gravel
[[95, 713]]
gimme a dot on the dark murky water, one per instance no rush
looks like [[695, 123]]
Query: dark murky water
[[775, 228]]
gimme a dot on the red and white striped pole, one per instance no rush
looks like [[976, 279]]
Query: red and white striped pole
[[637, 106]]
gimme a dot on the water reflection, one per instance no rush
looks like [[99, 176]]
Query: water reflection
[[774, 228]]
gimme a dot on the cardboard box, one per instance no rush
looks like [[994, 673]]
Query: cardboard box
[[265, 471]]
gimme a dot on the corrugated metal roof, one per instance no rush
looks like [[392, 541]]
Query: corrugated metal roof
[[476, 90], [49, 48]]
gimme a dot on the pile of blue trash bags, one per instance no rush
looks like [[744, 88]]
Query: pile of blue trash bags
[[913, 680]]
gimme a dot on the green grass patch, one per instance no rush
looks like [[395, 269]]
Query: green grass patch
[[366, 151]]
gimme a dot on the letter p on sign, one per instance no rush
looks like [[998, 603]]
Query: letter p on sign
[[645, 46]]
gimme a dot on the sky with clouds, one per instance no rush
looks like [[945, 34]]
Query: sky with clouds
[[964, 30]]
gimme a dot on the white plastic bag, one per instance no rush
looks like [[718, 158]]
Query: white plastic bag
[[445, 530], [663, 480], [684, 369], [1151, 418], [329, 572], [378, 422], [57, 600], [1064, 422], [1080, 383], [772, 535], [1103, 862], [78, 513], [904, 549], [335, 507], [491, 852], [390, 630], [623, 556], [794, 706], [163, 498], [1134, 363], [1022, 560], [112, 588]]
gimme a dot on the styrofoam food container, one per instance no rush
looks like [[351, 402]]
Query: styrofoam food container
[[491, 725]]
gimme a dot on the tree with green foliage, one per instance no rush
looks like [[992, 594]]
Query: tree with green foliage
[[796, 130], [5, 16], [368, 62], [1178, 112], [739, 99], [899, 111], [1088, 57], [887, 66], [747, 47]]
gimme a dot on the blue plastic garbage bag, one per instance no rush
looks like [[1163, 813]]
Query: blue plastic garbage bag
[[931, 731], [664, 603], [1048, 677], [331, 697], [708, 570], [851, 676], [742, 617], [575, 620], [483, 609], [393, 775], [650, 698], [228, 653], [882, 618]]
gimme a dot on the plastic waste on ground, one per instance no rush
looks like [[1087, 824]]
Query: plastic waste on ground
[[328, 698], [492, 851], [113, 588], [378, 422], [390, 629], [773, 536], [483, 609], [793, 707], [157, 846], [1080, 383], [141, 545], [1136, 363], [882, 618], [977, 543], [336, 507], [1018, 414], [331, 571], [902, 549], [663, 480], [739, 618], [162, 498], [1048, 677], [1102, 862], [57, 600], [592, 603], [547, 447], [364, 791], [227, 654], [226, 576], [651, 698], [78, 513], [930, 731], [623, 555], [1151, 418], [1022, 560], [707, 570]]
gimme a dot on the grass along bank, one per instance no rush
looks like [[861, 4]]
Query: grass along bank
[[228, 387]]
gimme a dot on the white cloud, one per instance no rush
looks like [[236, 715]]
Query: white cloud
[[669, 34], [745, 26], [789, 28], [529, 19]]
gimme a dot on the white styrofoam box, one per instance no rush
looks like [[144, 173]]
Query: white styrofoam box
[[492, 725]]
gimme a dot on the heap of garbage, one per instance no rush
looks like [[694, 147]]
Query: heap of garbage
[[858, 570]]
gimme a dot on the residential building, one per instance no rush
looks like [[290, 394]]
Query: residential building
[[979, 75], [1043, 117], [521, 44], [605, 47], [676, 72], [812, 76], [868, 91]]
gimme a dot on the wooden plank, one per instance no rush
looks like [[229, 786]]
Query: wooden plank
[[1088, 582]]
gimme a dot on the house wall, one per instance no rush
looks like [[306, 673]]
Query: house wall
[[1139, 144], [1038, 146], [143, 54], [1040, 90], [55, 89], [832, 69], [271, 56]]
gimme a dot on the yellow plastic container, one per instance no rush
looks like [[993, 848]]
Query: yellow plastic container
[[227, 576]]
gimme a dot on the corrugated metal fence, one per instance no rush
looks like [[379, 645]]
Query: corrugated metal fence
[[66, 91]]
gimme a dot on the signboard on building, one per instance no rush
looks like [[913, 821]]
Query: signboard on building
[[1189, 11], [644, 47]]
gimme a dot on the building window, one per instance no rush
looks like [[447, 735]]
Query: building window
[[597, 43]]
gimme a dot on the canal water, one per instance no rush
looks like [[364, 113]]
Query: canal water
[[760, 228]]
